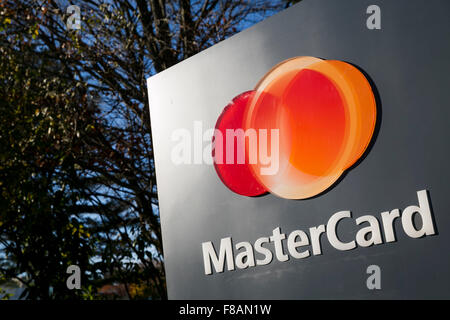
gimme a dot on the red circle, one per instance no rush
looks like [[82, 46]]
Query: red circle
[[237, 176]]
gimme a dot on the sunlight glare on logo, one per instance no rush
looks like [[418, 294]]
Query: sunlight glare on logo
[[304, 124]]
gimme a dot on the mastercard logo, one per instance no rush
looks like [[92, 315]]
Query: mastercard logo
[[313, 118]]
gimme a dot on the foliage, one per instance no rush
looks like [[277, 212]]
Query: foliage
[[42, 229]]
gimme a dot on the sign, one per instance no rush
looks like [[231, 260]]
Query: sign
[[343, 193]]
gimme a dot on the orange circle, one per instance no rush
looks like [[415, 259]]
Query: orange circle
[[325, 114]]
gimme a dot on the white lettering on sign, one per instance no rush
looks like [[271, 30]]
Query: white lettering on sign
[[300, 244]]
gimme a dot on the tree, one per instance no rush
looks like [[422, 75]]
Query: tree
[[42, 227], [120, 44]]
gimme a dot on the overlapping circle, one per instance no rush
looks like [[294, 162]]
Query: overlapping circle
[[325, 114]]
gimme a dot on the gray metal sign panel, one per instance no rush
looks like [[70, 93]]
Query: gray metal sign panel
[[408, 63]]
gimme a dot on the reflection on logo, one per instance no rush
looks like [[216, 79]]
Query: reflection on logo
[[304, 124]]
